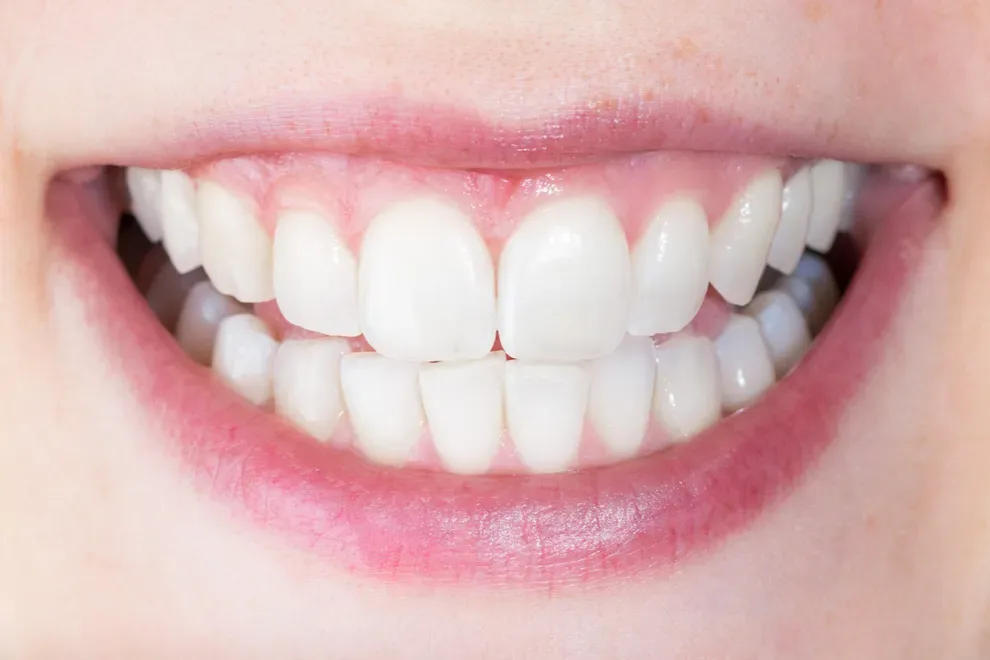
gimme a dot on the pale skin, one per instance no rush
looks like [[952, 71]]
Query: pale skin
[[883, 551]]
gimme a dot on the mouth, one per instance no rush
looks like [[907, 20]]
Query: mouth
[[518, 376]]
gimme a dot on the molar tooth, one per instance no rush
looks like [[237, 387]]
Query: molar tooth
[[814, 289], [687, 398], [792, 232], [544, 408], [145, 188], [855, 174], [307, 384], [744, 362], [564, 283], [180, 224], [237, 252], [314, 275], [426, 285], [741, 241], [828, 182], [244, 355], [463, 405], [620, 395], [200, 318], [670, 269], [383, 403], [783, 327]]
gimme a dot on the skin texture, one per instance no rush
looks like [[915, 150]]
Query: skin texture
[[883, 551]]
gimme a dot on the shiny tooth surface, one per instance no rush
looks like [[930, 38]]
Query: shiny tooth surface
[[795, 214], [669, 269], [199, 320], [314, 275], [145, 188], [237, 252], [383, 404], [741, 241], [828, 183], [426, 284], [744, 363], [544, 408], [307, 384], [244, 356], [687, 398], [180, 224], [621, 393], [783, 327], [463, 406], [814, 289], [855, 174], [564, 283]]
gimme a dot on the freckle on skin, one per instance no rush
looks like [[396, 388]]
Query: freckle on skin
[[684, 48], [814, 10]]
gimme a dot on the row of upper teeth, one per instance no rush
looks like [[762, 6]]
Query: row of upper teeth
[[424, 286]]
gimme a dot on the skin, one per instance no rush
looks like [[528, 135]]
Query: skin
[[882, 552]]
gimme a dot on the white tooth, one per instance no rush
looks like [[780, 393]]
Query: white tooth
[[426, 285], [314, 275], [744, 362], [244, 356], [168, 292], [854, 181], [307, 384], [741, 241], [828, 183], [463, 405], [180, 224], [564, 283], [620, 395], [199, 320], [792, 232], [784, 329], [814, 289], [382, 398], [670, 269], [544, 409], [145, 188], [237, 252], [688, 398]]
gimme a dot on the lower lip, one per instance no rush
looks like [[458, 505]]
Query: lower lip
[[548, 531]]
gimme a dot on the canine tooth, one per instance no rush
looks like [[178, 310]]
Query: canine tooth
[[741, 241], [180, 224], [795, 214], [383, 403], [145, 188], [307, 384], [199, 320], [783, 327], [463, 405], [314, 275], [744, 362], [670, 269], [237, 252], [244, 355], [687, 398], [564, 283], [426, 285], [544, 408], [814, 289], [828, 183], [620, 395]]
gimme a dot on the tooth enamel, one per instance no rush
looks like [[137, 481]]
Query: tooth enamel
[[169, 291], [307, 384], [564, 283], [620, 395], [741, 241], [828, 183], [783, 327], [792, 232], [237, 253], [180, 225], [244, 356], [744, 363], [199, 320], [814, 289], [314, 275], [854, 181], [670, 269], [383, 403], [463, 405], [426, 285], [544, 409], [687, 398], [145, 188]]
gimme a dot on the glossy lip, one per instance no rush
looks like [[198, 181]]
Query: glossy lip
[[546, 532]]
